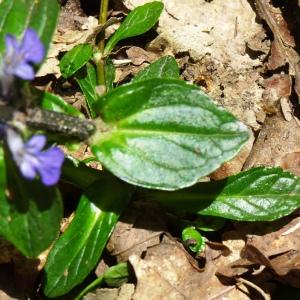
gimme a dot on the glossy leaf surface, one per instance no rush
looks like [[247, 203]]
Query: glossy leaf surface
[[138, 21], [165, 67], [17, 15], [260, 194], [77, 251], [55, 103], [87, 80], [164, 134], [75, 59], [30, 213]]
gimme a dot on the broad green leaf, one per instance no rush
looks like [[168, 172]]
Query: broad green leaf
[[30, 213], [17, 15], [75, 59], [138, 21], [87, 80], [55, 103], [77, 251], [165, 67], [260, 194], [110, 74], [164, 134]]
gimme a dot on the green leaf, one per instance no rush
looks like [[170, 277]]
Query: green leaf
[[209, 223], [77, 251], [75, 59], [17, 15], [110, 74], [116, 275], [30, 213], [193, 239], [260, 194], [55, 103], [86, 77], [165, 67], [138, 21], [164, 134]]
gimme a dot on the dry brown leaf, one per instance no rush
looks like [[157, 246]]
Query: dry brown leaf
[[167, 272], [139, 228], [283, 49], [279, 251], [291, 162], [276, 139], [276, 87], [138, 56], [125, 292]]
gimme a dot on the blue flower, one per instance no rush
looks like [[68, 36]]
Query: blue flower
[[32, 160], [20, 56]]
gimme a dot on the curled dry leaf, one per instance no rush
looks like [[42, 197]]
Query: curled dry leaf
[[283, 47], [279, 251], [167, 272]]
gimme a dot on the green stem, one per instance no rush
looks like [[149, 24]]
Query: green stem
[[90, 287], [101, 62]]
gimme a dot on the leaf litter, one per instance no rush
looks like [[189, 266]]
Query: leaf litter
[[256, 77]]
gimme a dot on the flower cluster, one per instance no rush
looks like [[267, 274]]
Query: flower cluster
[[20, 56], [29, 156], [32, 160]]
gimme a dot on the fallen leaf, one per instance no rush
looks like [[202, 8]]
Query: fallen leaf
[[139, 228], [138, 56], [279, 251], [125, 292], [167, 272], [284, 46], [291, 163], [276, 139]]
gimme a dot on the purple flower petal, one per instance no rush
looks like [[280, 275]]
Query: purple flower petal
[[24, 71], [11, 44], [19, 56], [32, 161], [36, 143], [32, 47], [50, 165], [15, 144], [27, 169]]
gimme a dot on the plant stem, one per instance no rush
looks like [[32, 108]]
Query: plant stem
[[100, 63], [90, 287]]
